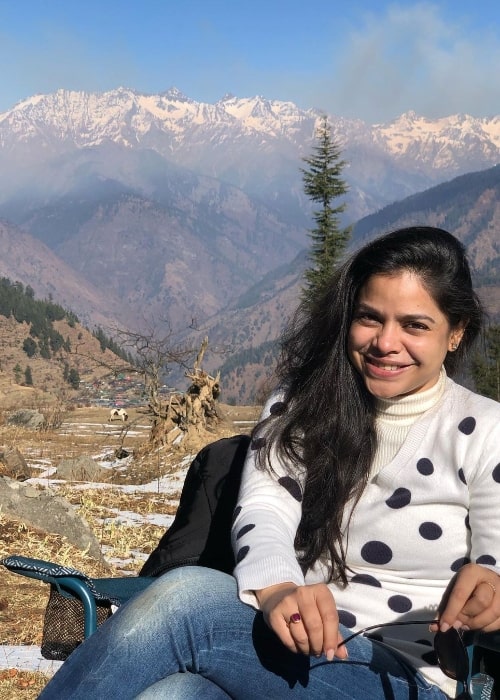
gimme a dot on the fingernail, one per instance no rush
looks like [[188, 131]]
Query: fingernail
[[444, 627], [330, 653], [433, 628], [457, 625]]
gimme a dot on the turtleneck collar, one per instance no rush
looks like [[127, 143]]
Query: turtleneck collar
[[408, 408]]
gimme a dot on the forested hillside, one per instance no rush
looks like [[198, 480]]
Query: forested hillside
[[45, 348]]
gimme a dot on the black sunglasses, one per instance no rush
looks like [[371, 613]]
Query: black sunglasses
[[449, 646]]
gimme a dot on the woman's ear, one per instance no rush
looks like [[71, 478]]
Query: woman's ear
[[456, 336]]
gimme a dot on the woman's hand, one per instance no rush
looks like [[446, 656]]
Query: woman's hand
[[316, 629], [472, 600]]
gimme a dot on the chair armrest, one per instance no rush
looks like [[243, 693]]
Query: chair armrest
[[70, 582]]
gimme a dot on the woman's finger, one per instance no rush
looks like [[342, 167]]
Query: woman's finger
[[299, 634], [481, 598], [315, 602], [330, 621], [461, 592]]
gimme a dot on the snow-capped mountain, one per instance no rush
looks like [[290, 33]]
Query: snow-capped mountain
[[175, 207], [253, 143]]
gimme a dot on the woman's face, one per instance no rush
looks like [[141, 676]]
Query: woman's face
[[399, 337]]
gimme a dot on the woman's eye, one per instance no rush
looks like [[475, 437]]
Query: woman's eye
[[418, 326], [366, 318]]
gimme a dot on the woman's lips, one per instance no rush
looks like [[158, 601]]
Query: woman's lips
[[380, 368]]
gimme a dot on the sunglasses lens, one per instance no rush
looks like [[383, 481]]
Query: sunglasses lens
[[452, 655]]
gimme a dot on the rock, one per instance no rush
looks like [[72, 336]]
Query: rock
[[27, 417], [120, 453], [81, 468], [46, 511], [15, 464]]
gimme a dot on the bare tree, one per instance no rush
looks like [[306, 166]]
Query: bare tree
[[155, 353]]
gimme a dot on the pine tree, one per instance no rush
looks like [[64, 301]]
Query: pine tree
[[323, 184], [17, 373], [28, 376], [74, 378], [486, 365]]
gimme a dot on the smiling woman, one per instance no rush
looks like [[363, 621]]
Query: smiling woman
[[370, 496]]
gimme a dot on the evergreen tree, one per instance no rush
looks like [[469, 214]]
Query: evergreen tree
[[486, 365], [74, 378], [28, 377], [323, 184], [30, 347], [17, 373]]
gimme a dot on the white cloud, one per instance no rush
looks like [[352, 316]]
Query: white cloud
[[414, 58]]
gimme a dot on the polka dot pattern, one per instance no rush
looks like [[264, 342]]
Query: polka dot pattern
[[496, 474], [242, 552], [458, 563], [425, 466], [347, 619], [278, 408], [291, 486], [376, 552], [430, 531], [461, 476], [236, 512], [257, 443], [399, 603], [399, 499], [467, 425], [366, 579], [486, 560], [244, 530]]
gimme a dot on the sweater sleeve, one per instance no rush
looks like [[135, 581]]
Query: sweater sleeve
[[265, 524], [481, 470]]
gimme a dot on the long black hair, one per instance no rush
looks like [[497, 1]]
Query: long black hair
[[327, 426]]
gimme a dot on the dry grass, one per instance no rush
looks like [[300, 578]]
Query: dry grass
[[21, 685], [86, 432]]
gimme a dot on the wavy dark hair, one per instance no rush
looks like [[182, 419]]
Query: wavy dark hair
[[326, 426]]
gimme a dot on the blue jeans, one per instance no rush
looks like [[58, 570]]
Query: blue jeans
[[188, 636]]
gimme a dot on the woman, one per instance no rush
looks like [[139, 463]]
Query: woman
[[372, 481]]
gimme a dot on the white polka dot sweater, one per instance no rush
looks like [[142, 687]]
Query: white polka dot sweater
[[434, 507]]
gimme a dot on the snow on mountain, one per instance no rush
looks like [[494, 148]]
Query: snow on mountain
[[133, 119], [126, 116], [439, 142]]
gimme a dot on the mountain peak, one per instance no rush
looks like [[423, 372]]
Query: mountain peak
[[174, 93]]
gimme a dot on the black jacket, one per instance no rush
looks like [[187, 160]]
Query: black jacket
[[201, 531]]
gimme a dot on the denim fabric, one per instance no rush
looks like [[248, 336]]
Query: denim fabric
[[188, 636]]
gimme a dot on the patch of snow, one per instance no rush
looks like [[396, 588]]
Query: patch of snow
[[124, 517], [26, 658]]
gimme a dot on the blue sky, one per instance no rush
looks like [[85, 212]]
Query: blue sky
[[369, 59]]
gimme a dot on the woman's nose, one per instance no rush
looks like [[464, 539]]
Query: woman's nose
[[388, 339]]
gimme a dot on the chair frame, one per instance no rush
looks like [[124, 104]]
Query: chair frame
[[74, 584]]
